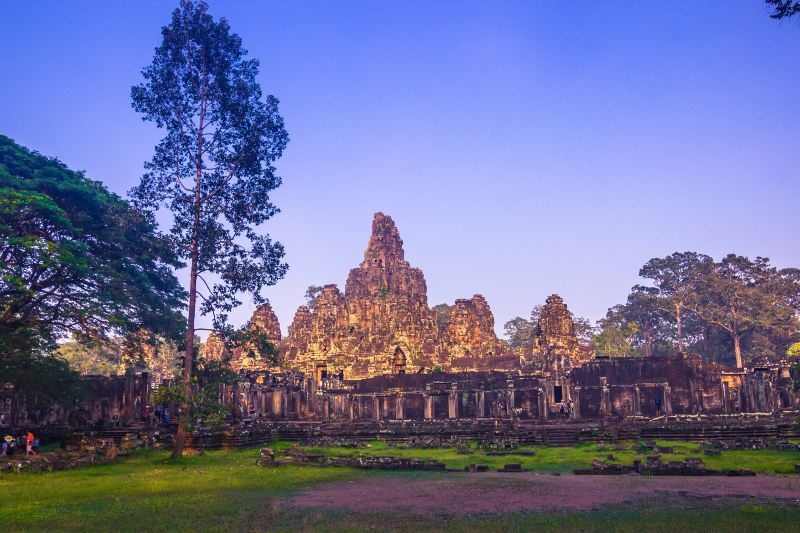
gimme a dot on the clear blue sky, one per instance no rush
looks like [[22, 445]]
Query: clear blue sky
[[523, 148]]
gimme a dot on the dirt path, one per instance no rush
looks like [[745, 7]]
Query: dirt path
[[497, 492]]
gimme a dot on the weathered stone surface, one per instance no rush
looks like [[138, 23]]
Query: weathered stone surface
[[214, 348], [247, 357], [470, 342], [382, 323], [556, 349]]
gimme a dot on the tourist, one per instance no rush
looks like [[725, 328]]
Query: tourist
[[8, 445], [570, 408], [36, 445], [29, 444], [561, 408], [165, 417], [157, 413], [658, 405]]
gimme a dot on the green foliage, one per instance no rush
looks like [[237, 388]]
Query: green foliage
[[98, 359], [43, 380], [202, 406], [616, 341], [584, 330], [441, 313], [147, 492], [730, 311], [519, 332], [312, 293], [213, 169], [567, 458], [784, 8], [75, 258], [793, 350]]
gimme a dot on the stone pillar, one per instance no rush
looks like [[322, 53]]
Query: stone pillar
[[543, 407], [452, 401], [399, 414], [605, 401], [700, 401], [348, 407], [276, 403], [725, 397], [576, 403], [637, 401], [479, 411], [298, 400], [510, 399], [428, 406], [667, 400], [376, 408]]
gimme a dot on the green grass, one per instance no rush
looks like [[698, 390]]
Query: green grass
[[567, 459], [226, 491]]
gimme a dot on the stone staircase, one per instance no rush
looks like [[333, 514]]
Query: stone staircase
[[560, 435], [704, 433]]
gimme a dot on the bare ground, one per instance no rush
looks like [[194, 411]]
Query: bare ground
[[463, 494]]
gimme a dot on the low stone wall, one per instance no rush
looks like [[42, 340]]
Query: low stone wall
[[298, 456]]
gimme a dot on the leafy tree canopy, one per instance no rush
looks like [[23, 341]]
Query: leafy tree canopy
[[782, 9], [76, 259], [519, 332], [441, 313]]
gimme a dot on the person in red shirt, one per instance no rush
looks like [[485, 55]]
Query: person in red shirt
[[29, 444]]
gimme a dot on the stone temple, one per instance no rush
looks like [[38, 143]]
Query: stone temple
[[375, 361], [382, 324]]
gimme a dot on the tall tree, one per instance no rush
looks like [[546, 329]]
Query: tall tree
[[742, 296], [675, 279], [214, 167], [584, 330]]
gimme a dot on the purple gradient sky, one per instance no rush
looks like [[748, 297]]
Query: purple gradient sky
[[523, 148]]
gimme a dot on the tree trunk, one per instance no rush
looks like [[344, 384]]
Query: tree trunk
[[680, 327], [737, 348], [180, 436]]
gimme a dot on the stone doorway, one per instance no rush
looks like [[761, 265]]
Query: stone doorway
[[558, 393], [399, 361], [322, 372]]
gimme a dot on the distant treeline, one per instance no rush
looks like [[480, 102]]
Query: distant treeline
[[734, 311]]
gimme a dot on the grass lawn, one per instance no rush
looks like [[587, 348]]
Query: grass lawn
[[226, 491], [567, 459]]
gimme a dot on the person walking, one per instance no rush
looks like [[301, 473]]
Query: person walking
[[29, 444]]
